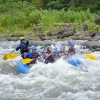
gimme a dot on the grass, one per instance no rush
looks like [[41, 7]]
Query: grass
[[21, 20]]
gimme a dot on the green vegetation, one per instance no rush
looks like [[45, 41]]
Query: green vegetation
[[19, 16]]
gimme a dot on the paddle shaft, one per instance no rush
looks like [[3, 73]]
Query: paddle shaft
[[89, 55], [12, 51], [79, 50]]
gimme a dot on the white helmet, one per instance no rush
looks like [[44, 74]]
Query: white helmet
[[21, 38]]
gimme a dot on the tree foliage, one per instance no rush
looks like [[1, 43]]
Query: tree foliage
[[23, 14], [93, 5]]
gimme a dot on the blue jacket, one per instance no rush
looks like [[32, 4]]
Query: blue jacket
[[26, 43], [32, 55]]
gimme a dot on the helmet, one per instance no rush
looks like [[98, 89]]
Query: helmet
[[21, 38], [71, 43], [61, 48], [48, 48], [34, 48], [55, 52], [44, 51]]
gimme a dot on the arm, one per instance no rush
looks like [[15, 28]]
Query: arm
[[27, 43], [18, 47], [28, 55], [65, 48], [39, 56]]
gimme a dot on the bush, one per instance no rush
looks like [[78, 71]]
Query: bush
[[3, 9], [23, 15], [34, 17]]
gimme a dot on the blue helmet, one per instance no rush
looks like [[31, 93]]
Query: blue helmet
[[44, 51], [55, 52], [71, 43], [61, 48], [34, 48]]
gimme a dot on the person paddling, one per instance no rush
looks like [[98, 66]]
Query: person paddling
[[71, 50], [66, 51], [33, 55], [23, 47], [63, 51], [50, 56], [71, 46], [56, 54], [44, 56]]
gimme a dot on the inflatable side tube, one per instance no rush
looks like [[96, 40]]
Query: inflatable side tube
[[75, 62], [22, 68]]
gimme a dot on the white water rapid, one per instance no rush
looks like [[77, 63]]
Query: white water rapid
[[57, 81]]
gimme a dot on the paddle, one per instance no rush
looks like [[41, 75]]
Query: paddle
[[26, 61], [93, 57], [10, 55]]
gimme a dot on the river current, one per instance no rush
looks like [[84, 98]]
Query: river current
[[57, 81]]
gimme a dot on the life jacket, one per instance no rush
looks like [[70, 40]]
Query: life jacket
[[34, 55], [24, 48], [56, 57], [45, 59], [50, 59], [71, 51]]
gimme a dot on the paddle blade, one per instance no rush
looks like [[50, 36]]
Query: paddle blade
[[91, 56], [26, 61], [10, 56]]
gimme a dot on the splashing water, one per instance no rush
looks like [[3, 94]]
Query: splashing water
[[57, 81]]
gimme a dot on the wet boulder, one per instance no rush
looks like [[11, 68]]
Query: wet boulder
[[96, 38], [13, 39], [68, 33], [85, 27], [97, 21], [49, 33], [60, 32], [92, 45], [97, 49], [92, 33], [3, 37], [45, 42]]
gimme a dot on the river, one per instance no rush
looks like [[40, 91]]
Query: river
[[57, 81]]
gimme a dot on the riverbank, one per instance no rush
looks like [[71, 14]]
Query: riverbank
[[67, 31], [92, 38]]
